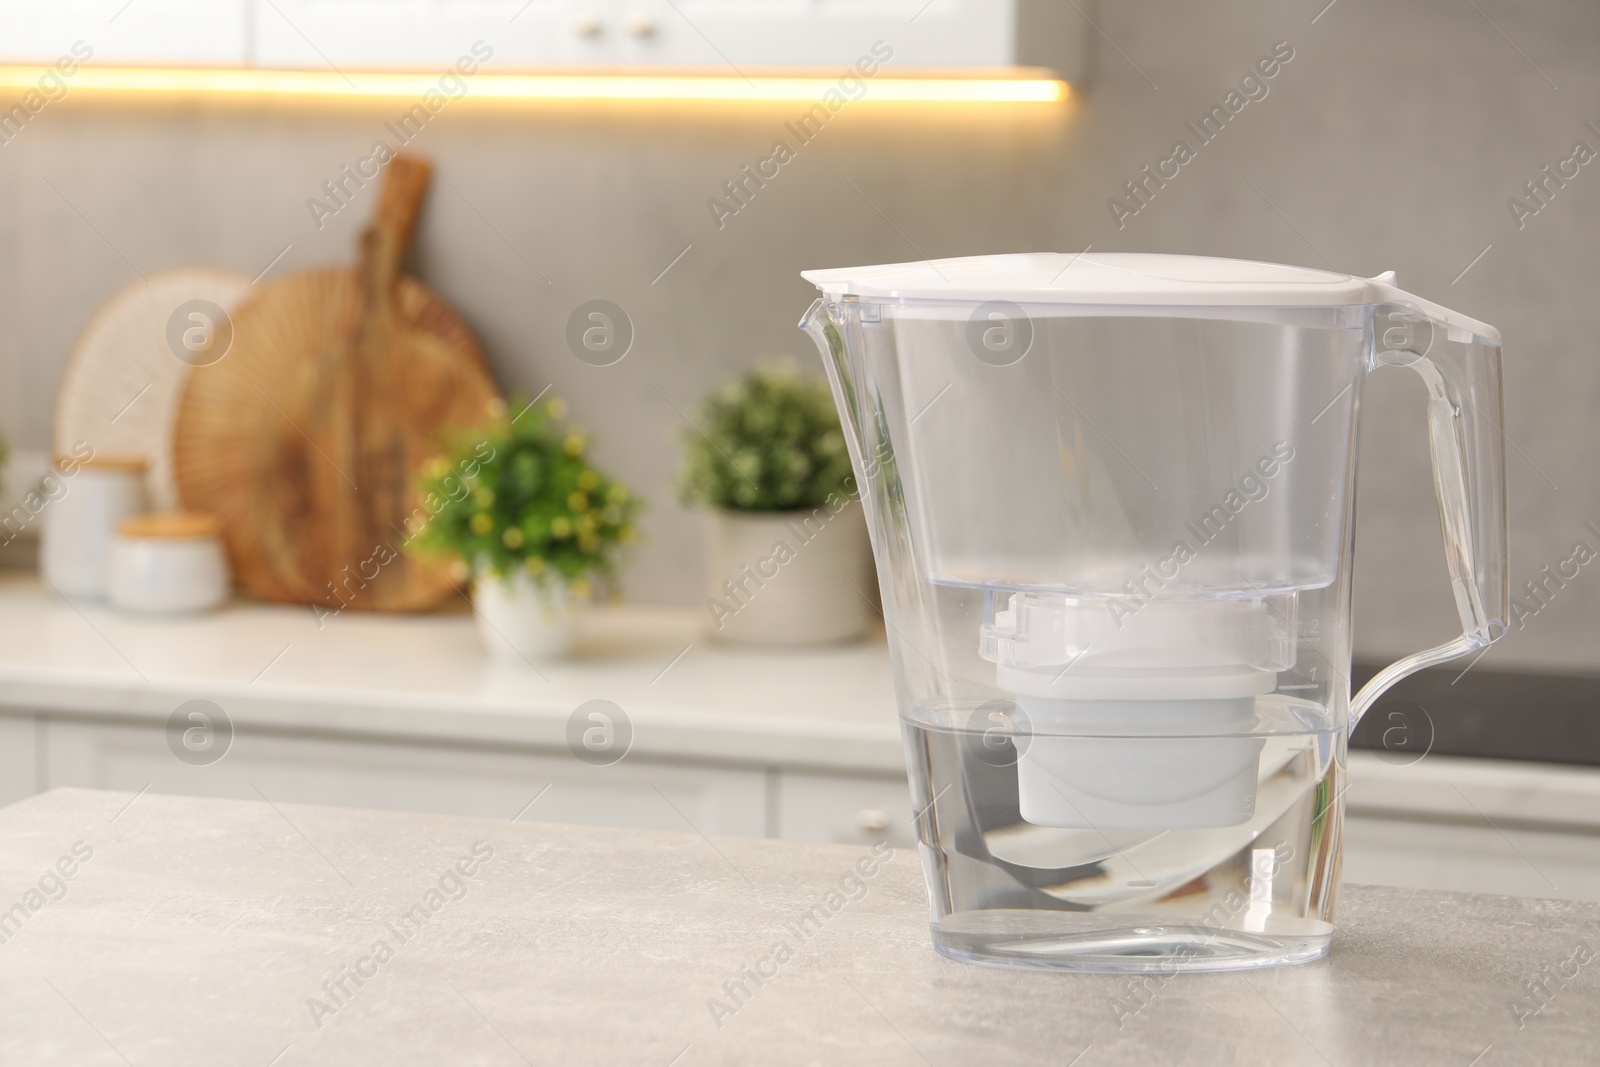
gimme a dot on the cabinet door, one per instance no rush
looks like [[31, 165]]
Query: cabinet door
[[402, 34], [143, 32], [406, 777], [844, 809], [1503, 858], [19, 752], [720, 34]]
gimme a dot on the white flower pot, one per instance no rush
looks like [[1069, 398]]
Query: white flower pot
[[523, 619], [789, 577]]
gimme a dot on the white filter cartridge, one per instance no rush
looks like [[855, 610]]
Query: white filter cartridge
[[1129, 765], [1139, 720]]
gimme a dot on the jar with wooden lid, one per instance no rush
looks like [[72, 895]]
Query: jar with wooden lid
[[168, 562], [95, 495]]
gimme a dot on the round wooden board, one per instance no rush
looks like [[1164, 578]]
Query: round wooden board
[[119, 390], [308, 451]]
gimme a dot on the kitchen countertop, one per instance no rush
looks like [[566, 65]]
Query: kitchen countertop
[[429, 678], [196, 931]]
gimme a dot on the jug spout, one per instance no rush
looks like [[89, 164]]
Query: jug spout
[[823, 322], [816, 322]]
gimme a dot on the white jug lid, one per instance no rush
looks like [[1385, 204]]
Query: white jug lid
[[1116, 278]]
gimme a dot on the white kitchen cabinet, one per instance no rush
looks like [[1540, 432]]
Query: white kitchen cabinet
[[1508, 859], [738, 33], [140, 32], [376, 34], [798, 805], [718, 36], [1403, 828], [1474, 826], [409, 777], [19, 758], [713, 35], [844, 809]]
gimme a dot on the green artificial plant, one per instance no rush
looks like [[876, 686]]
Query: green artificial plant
[[768, 442], [519, 493]]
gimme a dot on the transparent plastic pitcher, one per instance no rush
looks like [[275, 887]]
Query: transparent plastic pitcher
[[1112, 504]]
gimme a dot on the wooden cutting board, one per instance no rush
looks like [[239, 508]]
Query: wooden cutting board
[[305, 441]]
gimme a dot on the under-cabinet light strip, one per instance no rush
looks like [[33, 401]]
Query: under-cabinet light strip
[[184, 81]]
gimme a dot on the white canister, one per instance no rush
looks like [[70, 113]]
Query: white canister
[[167, 563], [78, 526]]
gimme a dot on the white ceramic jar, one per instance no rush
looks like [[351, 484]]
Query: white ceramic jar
[[168, 563], [78, 527], [522, 619]]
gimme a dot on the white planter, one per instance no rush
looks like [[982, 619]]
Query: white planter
[[524, 620], [789, 577]]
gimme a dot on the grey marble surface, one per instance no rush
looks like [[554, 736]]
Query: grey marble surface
[[170, 930]]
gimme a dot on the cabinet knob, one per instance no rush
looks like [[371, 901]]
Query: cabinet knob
[[641, 24], [873, 820], [588, 26]]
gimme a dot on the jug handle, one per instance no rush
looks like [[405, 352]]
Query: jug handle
[[1458, 359]]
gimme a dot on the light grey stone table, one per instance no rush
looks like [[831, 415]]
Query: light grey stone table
[[159, 930]]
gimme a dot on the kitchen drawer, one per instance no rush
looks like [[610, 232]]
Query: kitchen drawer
[[18, 758], [407, 777], [844, 809], [1463, 858]]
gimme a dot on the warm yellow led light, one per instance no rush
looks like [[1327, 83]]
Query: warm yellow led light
[[164, 81]]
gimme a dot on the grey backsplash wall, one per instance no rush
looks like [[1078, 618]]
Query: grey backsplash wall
[[1392, 140]]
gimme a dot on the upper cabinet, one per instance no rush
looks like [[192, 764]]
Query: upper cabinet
[[178, 32], [379, 34], [730, 36]]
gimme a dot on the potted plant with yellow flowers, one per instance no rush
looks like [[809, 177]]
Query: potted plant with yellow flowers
[[522, 510]]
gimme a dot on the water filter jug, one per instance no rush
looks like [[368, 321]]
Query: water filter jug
[[1111, 501]]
